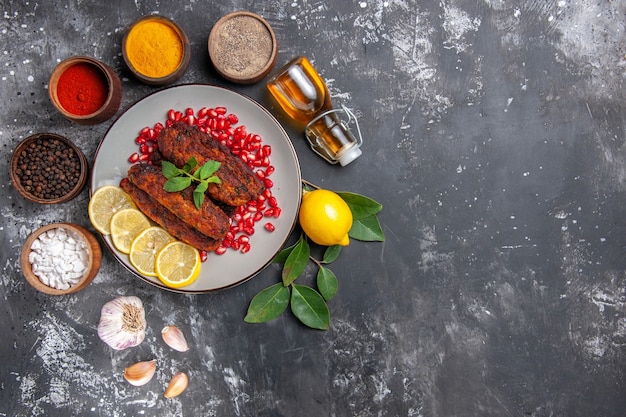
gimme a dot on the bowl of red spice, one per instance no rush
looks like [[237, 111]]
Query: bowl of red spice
[[47, 168], [60, 258], [242, 47], [85, 90], [156, 50]]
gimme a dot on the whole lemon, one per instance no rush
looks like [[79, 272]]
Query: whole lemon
[[325, 218]]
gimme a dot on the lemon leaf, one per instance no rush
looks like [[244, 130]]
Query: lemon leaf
[[360, 205], [268, 304], [309, 307], [367, 230], [296, 261], [283, 254], [331, 253], [327, 283]]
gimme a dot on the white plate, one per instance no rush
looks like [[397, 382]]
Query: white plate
[[219, 271]]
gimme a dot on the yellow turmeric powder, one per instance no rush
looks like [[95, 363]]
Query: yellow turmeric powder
[[154, 48]]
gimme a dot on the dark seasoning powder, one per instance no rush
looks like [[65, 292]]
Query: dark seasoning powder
[[243, 47]]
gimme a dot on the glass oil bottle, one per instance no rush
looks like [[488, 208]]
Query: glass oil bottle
[[303, 96]]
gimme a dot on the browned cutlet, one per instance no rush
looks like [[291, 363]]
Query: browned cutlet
[[168, 220], [238, 184], [209, 220]]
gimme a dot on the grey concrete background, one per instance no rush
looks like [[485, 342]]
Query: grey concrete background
[[494, 138]]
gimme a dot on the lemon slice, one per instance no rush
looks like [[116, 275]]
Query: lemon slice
[[125, 227], [144, 249], [177, 264], [104, 203]]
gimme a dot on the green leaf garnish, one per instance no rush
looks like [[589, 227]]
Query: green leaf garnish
[[180, 178], [176, 184], [169, 169]]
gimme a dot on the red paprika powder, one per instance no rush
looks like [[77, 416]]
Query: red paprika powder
[[82, 89]]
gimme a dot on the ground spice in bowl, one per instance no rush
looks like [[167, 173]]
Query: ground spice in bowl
[[156, 50], [85, 90], [82, 89], [242, 47]]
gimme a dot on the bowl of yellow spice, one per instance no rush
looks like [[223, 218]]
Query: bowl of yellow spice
[[156, 50]]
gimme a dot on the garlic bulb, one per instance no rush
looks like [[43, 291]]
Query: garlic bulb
[[122, 323], [177, 385], [174, 338], [140, 373]]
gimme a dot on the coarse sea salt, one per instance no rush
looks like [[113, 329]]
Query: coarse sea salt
[[59, 258]]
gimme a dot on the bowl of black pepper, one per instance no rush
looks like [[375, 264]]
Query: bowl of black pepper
[[47, 168]]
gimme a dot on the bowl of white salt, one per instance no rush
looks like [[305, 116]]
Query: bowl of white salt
[[60, 258]]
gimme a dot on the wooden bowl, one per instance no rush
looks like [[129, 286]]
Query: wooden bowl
[[155, 51], [93, 257], [100, 72], [243, 47], [26, 149]]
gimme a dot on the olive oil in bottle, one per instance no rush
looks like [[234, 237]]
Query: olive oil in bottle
[[303, 96]]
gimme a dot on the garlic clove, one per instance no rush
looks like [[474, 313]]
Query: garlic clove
[[177, 385], [174, 338], [140, 373]]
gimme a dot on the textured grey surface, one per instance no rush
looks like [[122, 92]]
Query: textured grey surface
[[494, 138]]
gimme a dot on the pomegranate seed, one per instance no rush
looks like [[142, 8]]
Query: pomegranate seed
[[189, 111], [202, 112], [203, 256], [269, 227], [233, 119], [220, 110], [171, 114], [249, 230], [277, 212], [245, 248], [269, 170], [221, 250], [243, 239], [268, 183], [258, 216], [133, 158], [144, 157], [269, 212], [267, 150], [140, 140]]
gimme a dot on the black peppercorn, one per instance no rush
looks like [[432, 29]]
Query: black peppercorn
[[48, 169]]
